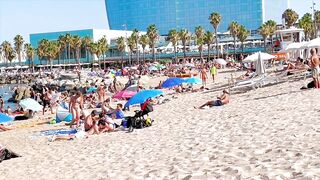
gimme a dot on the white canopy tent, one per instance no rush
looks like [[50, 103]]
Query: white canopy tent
[[254, 57]]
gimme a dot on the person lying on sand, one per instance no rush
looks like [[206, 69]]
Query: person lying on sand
[[222, 100], [4, 128], [91, 123]]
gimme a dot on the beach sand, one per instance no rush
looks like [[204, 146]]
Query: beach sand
[[271, 132]]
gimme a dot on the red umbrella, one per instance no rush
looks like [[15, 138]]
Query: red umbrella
[[124, 94]]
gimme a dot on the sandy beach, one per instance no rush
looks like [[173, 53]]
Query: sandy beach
[[267, 133]]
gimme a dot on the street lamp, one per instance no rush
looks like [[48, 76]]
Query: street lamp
[[125, 29], [314, 18]]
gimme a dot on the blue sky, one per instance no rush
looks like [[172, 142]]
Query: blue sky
[[32, 16]]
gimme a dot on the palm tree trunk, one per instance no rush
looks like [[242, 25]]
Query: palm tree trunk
[[201, 55], [234, 48], [265, 44], [50, 64], [208, 52], [138, 60], [19, 57], [104, 61], [184, 50], [242, 47], [153, 53], [217, 49], [122, 60], [144, 56], [175, 54]]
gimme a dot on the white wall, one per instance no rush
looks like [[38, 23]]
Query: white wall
[[111, 34]]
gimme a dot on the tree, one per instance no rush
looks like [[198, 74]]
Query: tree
[[63, 47], [94, 50], [41, 50], [86, 41], [30, 52], [52, 52], [132, 46], [185, 38], [200, 32], [306, 24], [272, 27], [234, 30], [152, 33], [317, 22], [208, 39], [144, 41], [75, 45], [121, 46], [8, 52], [264, 31], [243, 35], [136, 37], [290, 17], [18, 46], [68, 39], [173, 37], [215, 20], [103, 46]]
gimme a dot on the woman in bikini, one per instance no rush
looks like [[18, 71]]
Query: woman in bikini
[[75, 107]]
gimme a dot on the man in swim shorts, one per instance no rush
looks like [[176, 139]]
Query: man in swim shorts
[[221, 100]]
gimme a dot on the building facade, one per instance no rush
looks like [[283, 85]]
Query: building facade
[[168, 14]]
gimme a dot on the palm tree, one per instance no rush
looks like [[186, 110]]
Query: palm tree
[[42, 49], [68, 39], [243, 35], [317, 22], [121, 46], [272, 27], [215, 20], [86, 41], [185, 38], [132, 46], [103, 46], [200, 32], [136, 37], [208, 39], [234, 30], [152, 33], [144, 41], [264, 31], [30, 52], [306, 24], [75, 45], [8, 52], [174, 37], [290, 17], [52, 52], [63, 47], [94, 50], [18, 46]]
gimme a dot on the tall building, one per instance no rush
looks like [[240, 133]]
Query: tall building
[[168, 14]]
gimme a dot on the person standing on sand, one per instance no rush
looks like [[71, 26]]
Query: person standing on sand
[[221, 100], [314, 65], [1, 104], [213, 71], [75, 107], [203, 75]]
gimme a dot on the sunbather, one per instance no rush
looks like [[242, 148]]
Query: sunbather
[[4, 128], [221, 100], [91, 123]]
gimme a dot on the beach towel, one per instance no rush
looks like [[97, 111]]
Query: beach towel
[[58, 132]]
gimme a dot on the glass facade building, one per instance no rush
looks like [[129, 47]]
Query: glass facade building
[[168, 14]]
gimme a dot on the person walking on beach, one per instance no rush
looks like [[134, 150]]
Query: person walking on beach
[[213, 72], [221, 100], [203, 75], [314, 65]]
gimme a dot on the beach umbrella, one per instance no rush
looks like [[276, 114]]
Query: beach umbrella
[[293, 46], [260, 67], [133, 88], [220, 61], [171, 82], [5, 118], [255, 56], [124, 94], [142, 96], [30, 104], [193, 80], [315, 43]]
